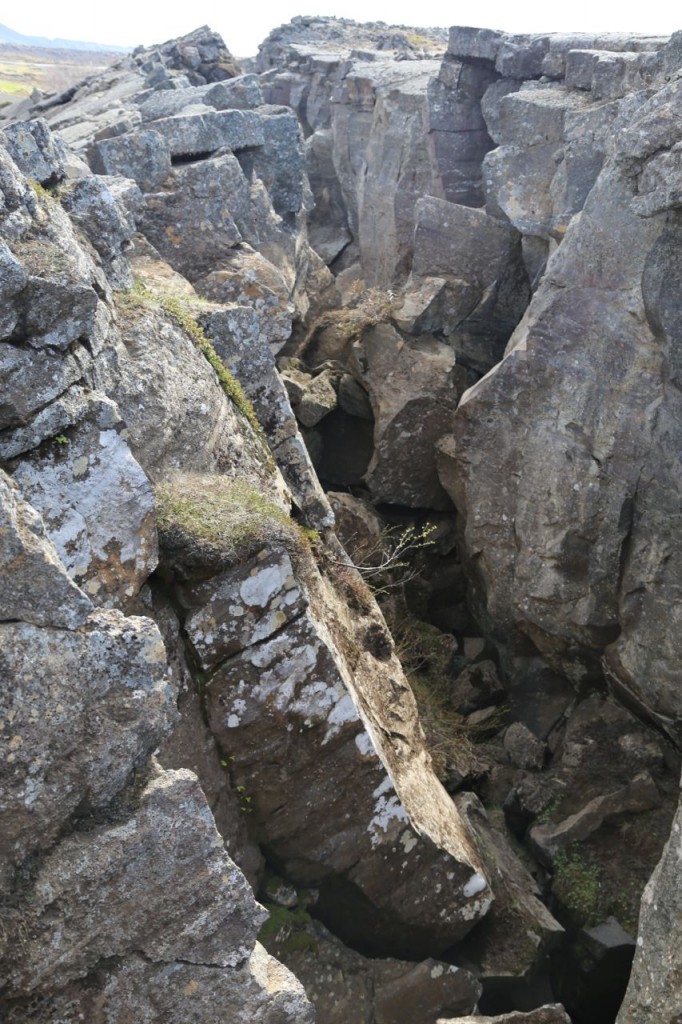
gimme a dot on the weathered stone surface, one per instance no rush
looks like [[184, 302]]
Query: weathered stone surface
[[318, 400], [600, 467], [75, 746], [104, 878], [95, 209], [524, 749], [249, 279], [37, 153], [192, 134], [34, 586], [144, 156], [242, 607], [299, 672], [653, 992], [180, 405], [242, 340], [97, 505], [261, 991]]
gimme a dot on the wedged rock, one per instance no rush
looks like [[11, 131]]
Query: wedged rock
[[342, 985], [106, 879], [97, 505], [468, 280], [318, 400], [413, 387], [34, 586], [519, 930], [260, 991], [187, 135], [76, 746], [640, 795]]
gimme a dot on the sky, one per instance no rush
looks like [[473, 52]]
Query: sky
[[244, 26]]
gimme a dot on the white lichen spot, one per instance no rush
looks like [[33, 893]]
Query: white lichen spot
[[258, 590], [437, 971], [80, 466], [232, 721], [364, 744], [408, 840], [386, 810], [476, 884]]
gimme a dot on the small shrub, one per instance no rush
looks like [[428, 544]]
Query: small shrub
[[424, 653]]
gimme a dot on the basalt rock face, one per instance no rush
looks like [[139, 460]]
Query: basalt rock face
[[449, 282]]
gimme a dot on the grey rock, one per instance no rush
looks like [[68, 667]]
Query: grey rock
[[37, 153], [103, 880], [474, 43], [73, 746], [34, 586], [653, 993], [413, 387], [494, 947], [97, 505], [190, 134], [343, 985], [318, 400], [261, 991], [299, 672], [144, 156], [640, 795], [523, 748]]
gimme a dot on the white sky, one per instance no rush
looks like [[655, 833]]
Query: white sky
[[130, 22]]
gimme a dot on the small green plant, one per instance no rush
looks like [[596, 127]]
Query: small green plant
[[577, 885], [287, 931], [388, 561], [60, 439]]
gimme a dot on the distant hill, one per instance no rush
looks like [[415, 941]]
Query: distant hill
[[12, 38]]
